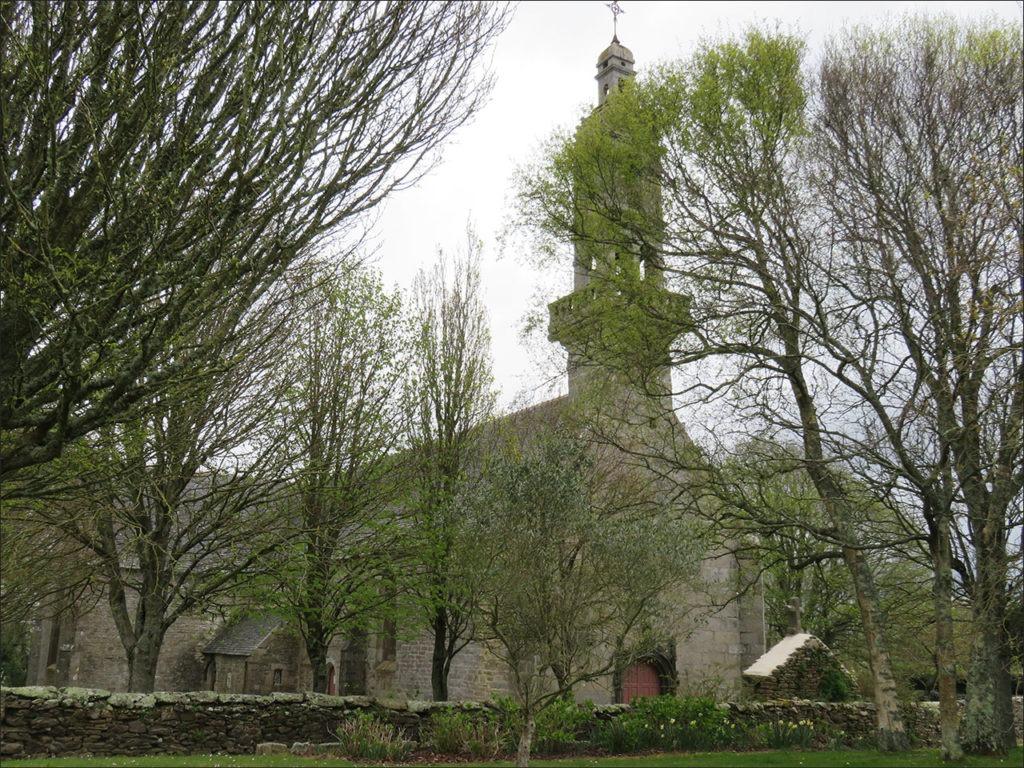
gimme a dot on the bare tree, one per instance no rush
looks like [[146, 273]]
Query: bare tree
[[920, 138], [449, 394], [161, 160]]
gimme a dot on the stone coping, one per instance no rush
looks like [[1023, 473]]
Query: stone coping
[[85, 696]]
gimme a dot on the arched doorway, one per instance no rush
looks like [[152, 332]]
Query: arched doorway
[[640, 679], [331, 686]]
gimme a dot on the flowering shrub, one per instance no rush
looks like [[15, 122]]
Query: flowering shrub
[[364, 736], [666, 722], [784, 734], [478, 734]]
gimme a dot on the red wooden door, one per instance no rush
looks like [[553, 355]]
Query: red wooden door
[[641, 679]]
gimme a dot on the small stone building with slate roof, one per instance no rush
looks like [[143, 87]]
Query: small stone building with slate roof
[[799, 666], [718, 629], [247, 656]]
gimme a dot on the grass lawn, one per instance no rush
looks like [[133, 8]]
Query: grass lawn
[[922, 758]]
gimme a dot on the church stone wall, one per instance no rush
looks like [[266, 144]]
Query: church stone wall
[[751, 625], [92, 655], [710, 644], [476, 675]]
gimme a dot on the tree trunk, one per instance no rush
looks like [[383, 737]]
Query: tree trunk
[[987, 725], [945, 651], [525, 742], [890, 731], [562, 679], [439, 659], [143, 658], [317, 653]]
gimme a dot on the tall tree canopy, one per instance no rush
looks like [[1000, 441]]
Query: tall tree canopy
[[162, 159]]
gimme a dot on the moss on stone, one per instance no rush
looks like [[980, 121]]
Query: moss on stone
[[32, 692], [132, 700], [327, 700]]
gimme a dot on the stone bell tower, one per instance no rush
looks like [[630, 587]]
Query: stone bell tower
[[619, 319], [614, 65]]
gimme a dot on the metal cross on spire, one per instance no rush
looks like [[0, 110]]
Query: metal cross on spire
[[616, 9]]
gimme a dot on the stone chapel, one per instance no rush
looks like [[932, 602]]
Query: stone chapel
[[722, 634]]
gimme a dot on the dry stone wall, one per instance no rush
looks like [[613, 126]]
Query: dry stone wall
[[80, 721]]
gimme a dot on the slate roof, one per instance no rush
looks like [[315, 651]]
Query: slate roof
[[243, 637], [779, 654]]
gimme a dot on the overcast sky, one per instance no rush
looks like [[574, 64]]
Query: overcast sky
[[544, 66]]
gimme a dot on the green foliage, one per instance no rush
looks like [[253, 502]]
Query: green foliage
[[14, 641], [835, 685], [366, 737], [783, 734], [562, 727], [448, 393], [342, 420], [745, 92], [481, 735], [621, 319], [668, 723]]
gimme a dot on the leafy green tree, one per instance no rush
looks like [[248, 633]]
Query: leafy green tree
[[162, 161], [719, 136], [449, 394], [339, 569]]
